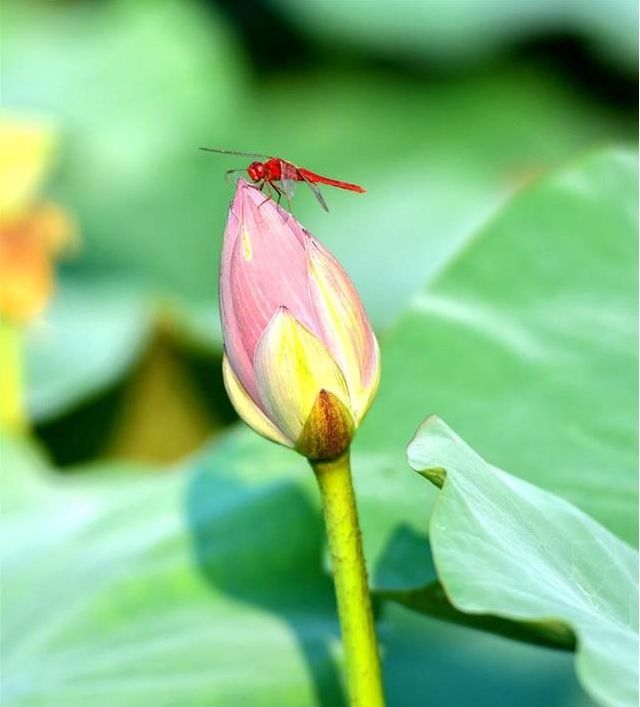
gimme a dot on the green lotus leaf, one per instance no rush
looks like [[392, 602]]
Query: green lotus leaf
[[504, 547]]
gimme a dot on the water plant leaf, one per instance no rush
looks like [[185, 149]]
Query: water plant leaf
[[202, 585], [86, 340], [461, 33], [504, 547], [526, 344]]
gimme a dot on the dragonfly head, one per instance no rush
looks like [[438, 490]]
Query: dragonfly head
[[256, 171]]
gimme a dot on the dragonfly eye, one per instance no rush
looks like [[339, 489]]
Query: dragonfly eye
[[256, 171]]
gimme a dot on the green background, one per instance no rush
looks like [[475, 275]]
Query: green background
[[158, 553]]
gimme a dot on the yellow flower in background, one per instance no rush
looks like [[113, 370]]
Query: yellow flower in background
[[32, 232]]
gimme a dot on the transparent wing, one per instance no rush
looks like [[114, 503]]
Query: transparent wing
[[232, 175], [233, 152], [288, 178], [316, 192]]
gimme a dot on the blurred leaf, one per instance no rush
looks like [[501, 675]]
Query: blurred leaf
[[459, 31], [147, 576], [193, 325], [432, 174], [203, 586], [157, 81], [136, 87], [503, 546], [92, 332], [526, 342], [163, 417]]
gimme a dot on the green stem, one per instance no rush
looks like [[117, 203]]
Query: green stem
[[12, 407], [364, 678]]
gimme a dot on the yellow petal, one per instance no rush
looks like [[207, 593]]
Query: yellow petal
[[345, 327], [292, 366], [25, 152], [247, 409]]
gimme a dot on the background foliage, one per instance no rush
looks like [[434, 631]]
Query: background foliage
[[156, 553]]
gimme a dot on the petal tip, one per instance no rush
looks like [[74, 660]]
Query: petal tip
[[328, 430]]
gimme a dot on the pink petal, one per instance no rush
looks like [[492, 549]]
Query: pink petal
[[264, 267]]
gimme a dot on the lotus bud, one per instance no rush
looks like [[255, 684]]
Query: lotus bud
[[301, 363]]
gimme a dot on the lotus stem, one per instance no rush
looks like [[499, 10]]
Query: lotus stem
[[364, 679]]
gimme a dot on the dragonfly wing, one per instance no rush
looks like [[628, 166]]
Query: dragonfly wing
[[316, 192], [233, 152], [232, 175], [288, 178]]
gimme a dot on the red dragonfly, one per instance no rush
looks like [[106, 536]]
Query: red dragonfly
[[283, 176]]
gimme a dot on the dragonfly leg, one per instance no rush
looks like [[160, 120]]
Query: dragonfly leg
[[262, 188], [278, 191], [281, 192], [273, 188]]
